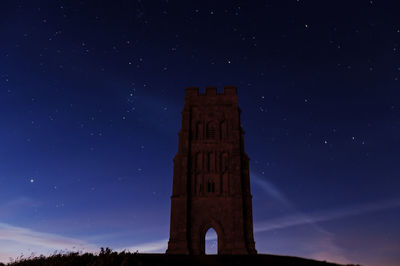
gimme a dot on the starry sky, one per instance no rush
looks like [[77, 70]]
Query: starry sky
[[90, 101]]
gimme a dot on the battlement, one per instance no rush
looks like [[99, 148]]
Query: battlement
[[211, 91]]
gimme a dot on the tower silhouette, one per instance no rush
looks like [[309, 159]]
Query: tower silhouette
[[211, 183]]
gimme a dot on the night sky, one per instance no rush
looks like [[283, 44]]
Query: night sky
[[90, 100]]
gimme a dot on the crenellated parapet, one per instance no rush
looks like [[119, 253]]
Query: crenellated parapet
[[211, 96], [211, 91]]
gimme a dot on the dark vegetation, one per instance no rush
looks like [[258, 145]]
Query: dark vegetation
[[108, 257]]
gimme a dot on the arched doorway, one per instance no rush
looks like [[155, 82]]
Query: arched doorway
[[211, 242]]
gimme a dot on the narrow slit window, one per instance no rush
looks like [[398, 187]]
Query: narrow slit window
[[211, 130]]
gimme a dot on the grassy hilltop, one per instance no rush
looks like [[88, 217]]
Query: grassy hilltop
[[107, 257]]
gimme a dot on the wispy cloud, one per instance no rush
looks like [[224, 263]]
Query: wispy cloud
[[299, 218], [15, 241], [271, 190], [313, 218], [16, 205]]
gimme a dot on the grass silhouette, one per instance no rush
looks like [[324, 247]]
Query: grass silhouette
[[108, 257]]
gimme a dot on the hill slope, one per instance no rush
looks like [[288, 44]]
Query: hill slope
[[113, 258]]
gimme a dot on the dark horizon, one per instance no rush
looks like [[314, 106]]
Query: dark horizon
[[90, 100]]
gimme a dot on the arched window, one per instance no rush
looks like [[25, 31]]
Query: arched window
[[211, 130], [211, 242]]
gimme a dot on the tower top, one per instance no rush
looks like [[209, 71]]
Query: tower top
[[211, 95], [211, 91]]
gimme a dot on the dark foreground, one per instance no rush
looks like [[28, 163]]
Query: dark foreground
[[113, 258]]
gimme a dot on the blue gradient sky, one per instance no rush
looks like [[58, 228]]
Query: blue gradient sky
[[90, 101]]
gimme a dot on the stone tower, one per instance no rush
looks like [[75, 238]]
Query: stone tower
[[211, 184]]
